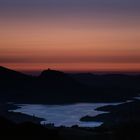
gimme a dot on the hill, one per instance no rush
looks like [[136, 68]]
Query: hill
[[56, 87]]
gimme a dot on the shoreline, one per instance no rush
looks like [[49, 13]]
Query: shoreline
[[92, 106], [20, 117], [6, 112], [116, 115]]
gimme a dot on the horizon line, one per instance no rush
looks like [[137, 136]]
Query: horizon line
[[37, 72]]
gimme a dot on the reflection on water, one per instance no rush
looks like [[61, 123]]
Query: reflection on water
[[66, 115]]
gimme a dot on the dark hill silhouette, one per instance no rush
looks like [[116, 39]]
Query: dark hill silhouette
[[50, 87], [116, 82], [7, 74], [108, 79], [13, 83], [57, 87], [53, 78], [52, 74]]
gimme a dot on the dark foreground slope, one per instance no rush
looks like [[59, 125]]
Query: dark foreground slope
[[10, 130], [55, 87]]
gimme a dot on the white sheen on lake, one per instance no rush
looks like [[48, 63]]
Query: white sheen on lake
[[64, 115]]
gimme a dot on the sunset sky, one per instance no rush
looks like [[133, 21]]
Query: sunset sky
[[70, 35]]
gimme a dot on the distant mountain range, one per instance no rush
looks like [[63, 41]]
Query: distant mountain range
[[55, 87]]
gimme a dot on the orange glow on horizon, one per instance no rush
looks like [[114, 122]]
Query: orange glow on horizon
[[73, 45]]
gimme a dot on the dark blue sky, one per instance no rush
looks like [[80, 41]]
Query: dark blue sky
[[130, 6], [70, 8]]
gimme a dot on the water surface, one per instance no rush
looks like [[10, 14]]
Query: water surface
[[64, 115]]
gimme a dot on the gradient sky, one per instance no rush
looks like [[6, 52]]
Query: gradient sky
[[70, 35]]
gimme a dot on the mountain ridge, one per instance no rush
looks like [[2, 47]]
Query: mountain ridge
[[53, 86]]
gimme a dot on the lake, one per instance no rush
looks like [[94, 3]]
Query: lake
[[64, 115]]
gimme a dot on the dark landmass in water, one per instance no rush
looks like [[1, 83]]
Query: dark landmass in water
[[123, 113]]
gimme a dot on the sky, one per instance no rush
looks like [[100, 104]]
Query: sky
[[70, 35]]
